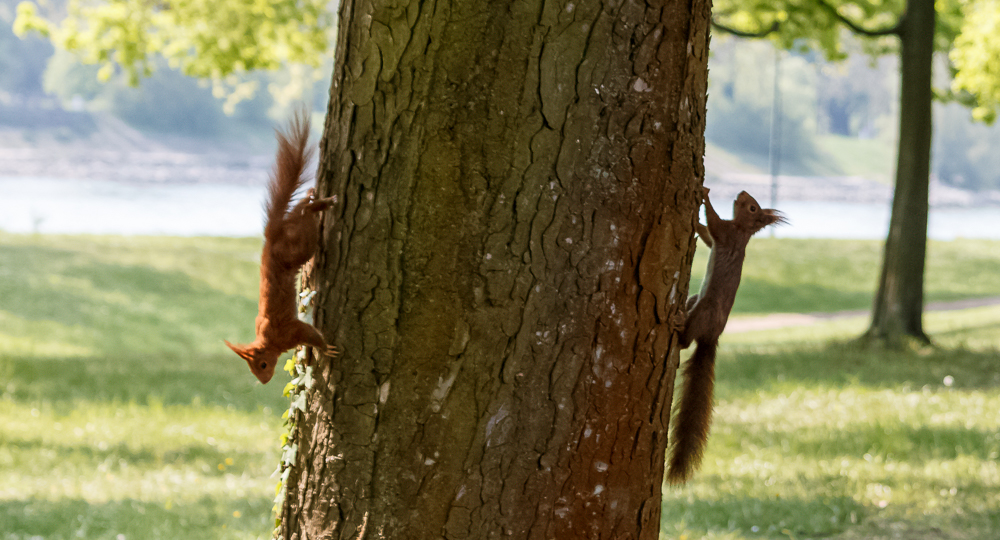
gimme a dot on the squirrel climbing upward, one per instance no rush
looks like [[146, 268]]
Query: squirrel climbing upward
[[290, 239], [707, 313]]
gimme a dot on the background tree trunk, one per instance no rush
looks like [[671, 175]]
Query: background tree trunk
[[899, 302], [517, 187]]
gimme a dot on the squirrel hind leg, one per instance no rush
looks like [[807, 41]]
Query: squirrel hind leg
[[319, 205], [310, 204], [307, 334]]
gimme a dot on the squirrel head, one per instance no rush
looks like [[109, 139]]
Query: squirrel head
[[260, 360], [749, 215]]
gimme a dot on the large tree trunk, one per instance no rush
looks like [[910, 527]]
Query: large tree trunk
[[517, 190], [899, 303]]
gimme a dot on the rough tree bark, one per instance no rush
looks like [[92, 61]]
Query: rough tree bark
[[899, 302], [517, 188]]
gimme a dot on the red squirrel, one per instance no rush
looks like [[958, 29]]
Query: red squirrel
[[707, 313], [290, 239]]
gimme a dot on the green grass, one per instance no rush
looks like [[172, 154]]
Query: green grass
[[121, 410], [814, 437], [806, 275], [122, 413], [851, 156], [835, 155]]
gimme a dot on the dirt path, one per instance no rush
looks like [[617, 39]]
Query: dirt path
[[785, 320]]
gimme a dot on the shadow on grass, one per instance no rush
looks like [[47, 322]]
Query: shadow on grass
[[841, 364], [188, 455], [766, 296], [898, 442], [762, 296], [120, 307], [210, 380], [771, 517], [145, 332], [207, 518]]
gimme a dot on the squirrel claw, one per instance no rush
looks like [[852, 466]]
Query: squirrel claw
[[332, 351], [677, 321]]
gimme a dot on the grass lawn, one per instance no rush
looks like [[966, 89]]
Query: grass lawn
[[853, 156], [804, 275], [834, 155], [816, 438], [122, 414], [121, 410]]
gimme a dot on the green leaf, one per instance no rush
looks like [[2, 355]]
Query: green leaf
[[208, 39]]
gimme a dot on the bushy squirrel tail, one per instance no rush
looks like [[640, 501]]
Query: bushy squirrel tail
[[286, 178], [694, 414]]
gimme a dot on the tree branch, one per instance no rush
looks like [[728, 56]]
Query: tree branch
[[740, 33], [893, 30]]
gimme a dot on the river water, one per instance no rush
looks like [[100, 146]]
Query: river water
[[82, 206]]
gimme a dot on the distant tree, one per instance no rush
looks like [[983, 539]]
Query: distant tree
[[739, 98], [852, 93], [965, 152], [21, 60], [919, 31]]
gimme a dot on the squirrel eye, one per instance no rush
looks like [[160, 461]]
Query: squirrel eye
[[753, 208], [263, 365]]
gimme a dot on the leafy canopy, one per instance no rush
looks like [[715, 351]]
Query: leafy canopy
[[207, 39], [966, 31], [809, 24], [976, 57]]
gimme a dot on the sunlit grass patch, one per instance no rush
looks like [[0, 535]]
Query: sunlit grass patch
[[816, 437], [148, 295], [122, 413], [121, 410], [818, 463], [106, 452], [142, 470]]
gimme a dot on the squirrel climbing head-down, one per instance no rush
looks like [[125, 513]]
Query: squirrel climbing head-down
[[291, 237]]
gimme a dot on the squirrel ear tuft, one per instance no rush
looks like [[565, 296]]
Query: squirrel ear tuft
[[240, 350]]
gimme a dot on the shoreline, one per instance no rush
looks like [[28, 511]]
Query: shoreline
[[135, 167], [163, 167], [120, 154]]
